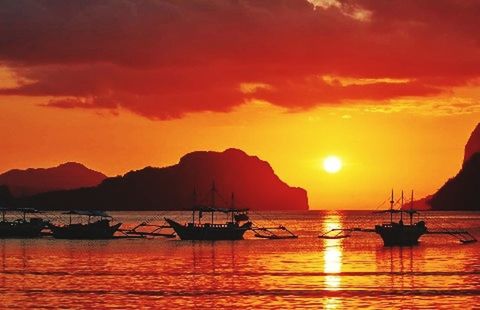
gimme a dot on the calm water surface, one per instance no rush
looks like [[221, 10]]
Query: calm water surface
[[355, 272]]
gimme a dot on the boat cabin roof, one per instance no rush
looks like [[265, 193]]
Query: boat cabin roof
[[28, 210], [24, 210], [397, 211], [88, 213], [210, 209]]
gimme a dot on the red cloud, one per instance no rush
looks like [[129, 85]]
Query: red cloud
[[162, 59]]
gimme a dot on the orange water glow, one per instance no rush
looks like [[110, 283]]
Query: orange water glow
[[307, 272]]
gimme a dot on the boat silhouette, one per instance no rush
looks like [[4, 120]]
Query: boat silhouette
[[398, 233], [21, 227], [231, 230], [234, 228], [98, 229]]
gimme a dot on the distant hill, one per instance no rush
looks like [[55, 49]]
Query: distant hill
[[461, 192], [255, 184], [420, 204], [38, 180], [6, 197]]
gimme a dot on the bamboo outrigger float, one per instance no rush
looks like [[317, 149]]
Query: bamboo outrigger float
[[395, 233], [156, 232], [341, 233], [273, 232]]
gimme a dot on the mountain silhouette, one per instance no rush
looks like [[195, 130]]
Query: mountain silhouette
[[38, 180], [6, 197], [461, 192], [473, 144], [255, 184], [419, 204]]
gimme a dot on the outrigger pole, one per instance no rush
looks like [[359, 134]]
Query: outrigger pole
[[411, 209], [141, 234], [338, 231], [462, 235], [401, 206], [270, 234], [213, 199]]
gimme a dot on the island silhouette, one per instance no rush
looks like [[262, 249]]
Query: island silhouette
[[252, 180], [460, 193], [33, 181]]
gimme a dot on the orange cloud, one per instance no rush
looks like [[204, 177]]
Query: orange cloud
[[162, 59]]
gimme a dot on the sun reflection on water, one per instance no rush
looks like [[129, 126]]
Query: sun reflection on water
[[332, 260]]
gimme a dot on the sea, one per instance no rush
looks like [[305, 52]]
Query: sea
[[308, 272]]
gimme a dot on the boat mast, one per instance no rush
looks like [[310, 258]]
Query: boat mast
[[194, 200], [213, 198], [391, 208], [401, 211], [232, 206], [411, 209]]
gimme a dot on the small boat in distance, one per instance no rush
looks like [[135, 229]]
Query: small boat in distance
[[398, 233], [21, 227], [101, 228]]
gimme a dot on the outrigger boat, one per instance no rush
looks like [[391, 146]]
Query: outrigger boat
[[237, 223], [398, 233], [101, 228], [233, 229], [21, 227], [395, 233]]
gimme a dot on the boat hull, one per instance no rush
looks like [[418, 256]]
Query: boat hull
[[226, 232], [21, 229], [98, 230], [400, 235]]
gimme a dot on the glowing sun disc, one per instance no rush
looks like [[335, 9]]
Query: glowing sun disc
[[332, 164]]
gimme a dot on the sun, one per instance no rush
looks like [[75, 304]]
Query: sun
[[332, 164]]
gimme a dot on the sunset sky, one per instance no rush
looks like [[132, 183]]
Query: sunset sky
[[390, 87]]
